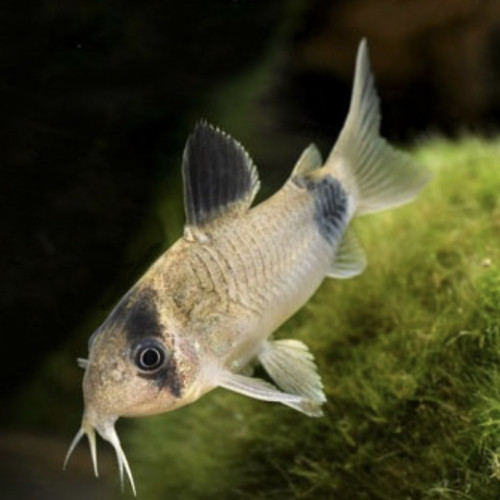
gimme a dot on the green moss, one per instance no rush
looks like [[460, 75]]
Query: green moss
[[410, 357]]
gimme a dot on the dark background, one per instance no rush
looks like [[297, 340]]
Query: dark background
[[97, 100]]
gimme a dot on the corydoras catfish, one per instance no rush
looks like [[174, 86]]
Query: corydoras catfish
[[204, 312]]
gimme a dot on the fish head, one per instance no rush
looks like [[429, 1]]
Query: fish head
[[138, 364]]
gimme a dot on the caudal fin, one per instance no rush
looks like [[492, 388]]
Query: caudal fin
[[375, 174]]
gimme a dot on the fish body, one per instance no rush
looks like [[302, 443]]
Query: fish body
[[245, 277], [218, 295], [204, 312]]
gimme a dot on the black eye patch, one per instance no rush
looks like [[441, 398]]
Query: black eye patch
[[155, 364], [136, 315], [141, 316], [166, 378]]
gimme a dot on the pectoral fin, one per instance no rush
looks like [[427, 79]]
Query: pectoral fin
[[264, 391], [291, 365]]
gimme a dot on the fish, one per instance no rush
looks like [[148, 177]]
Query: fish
[[202, 316]]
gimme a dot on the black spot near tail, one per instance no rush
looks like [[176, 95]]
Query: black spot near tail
[[331, 206]]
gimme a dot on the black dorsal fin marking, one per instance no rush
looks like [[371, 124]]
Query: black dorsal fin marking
[[331, 205], [218, 175]]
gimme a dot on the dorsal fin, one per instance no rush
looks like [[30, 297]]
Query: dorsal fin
[[309, 160], [218, 175]]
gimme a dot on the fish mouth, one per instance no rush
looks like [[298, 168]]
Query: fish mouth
[[106, 429]]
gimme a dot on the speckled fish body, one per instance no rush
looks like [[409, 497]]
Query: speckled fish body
[[234, 285], [204, 313]]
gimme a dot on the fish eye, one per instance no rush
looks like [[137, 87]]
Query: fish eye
[[149, 356]]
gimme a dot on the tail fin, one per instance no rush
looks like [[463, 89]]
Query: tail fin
[[376, 175]]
